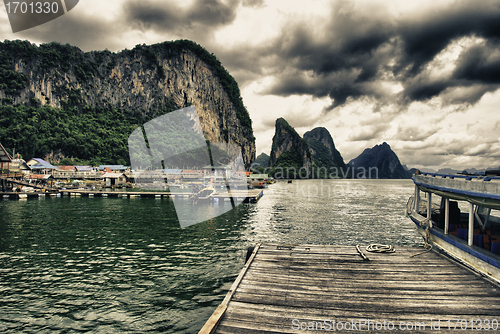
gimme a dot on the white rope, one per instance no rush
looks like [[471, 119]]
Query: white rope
[[379, 248], [427, 248], [361, 253]]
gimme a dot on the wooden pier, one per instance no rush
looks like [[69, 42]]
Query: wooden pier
[[310, 288], [252, 195]]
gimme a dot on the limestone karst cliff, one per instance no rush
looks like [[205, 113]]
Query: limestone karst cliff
[[323, 151], [141, 82], [289, 151]]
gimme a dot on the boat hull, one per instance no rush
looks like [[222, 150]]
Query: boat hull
[[486, 263]]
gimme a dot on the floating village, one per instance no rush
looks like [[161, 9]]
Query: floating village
[[37, 178]]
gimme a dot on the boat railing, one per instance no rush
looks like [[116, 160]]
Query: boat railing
[[466, 177]]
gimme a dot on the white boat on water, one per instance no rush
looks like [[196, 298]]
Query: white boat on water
[[204, 194], [460, 215]]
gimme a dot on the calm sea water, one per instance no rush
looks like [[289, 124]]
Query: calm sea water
[[113, 265]]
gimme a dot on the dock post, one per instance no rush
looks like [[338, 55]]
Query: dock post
[[471, 225], [429, 207], [417, 199], [446, 215]]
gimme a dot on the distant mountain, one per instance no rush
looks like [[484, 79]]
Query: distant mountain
[[425, 170], [468, 170], [290, 155], [380, 162], [454, 171], [261, 161], [412, 170], [450, 171], [322, 148]]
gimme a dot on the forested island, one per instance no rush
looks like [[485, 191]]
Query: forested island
[[58, 102]]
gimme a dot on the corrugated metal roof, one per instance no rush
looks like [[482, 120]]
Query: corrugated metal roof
[[40, 164], [83, 168]]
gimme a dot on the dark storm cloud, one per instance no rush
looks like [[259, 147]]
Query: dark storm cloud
[[253, 3], [79, 30], [480, 63], [335, 65], [417, 89], [466, 95], [164, 16], [355, 50], [426, 36]]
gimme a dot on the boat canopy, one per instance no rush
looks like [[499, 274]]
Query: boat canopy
[[479, 191], [484, 202]]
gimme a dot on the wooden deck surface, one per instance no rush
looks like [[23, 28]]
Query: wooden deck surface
[[288, 289]]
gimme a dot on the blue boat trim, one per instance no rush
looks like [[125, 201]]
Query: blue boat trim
[[453, 176], [458, 191], [466, 248]]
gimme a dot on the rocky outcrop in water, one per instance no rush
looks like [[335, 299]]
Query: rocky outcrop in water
[[289, 150], [322, 148], [380, 162]]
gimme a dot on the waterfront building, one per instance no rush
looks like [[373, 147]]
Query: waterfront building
[[5, 160], [40, 166]]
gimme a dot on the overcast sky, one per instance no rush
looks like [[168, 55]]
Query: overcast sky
[[420, 75]]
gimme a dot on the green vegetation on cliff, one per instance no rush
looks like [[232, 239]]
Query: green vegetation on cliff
[[55, 56], [91, 124], [98, 135], [326, 159], [261, 161]]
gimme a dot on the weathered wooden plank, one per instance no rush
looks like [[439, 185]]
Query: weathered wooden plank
[[315, 282], [245, 327], [361, 266], [284, 319], [379, 284], [344, 258], [387, 286], [477, 294], [456, 308], [276, 311], [214, 320], [380, 297], [376, 258], [355, 294], [343, 273], [333, 249], [325, 272], [236, 329]]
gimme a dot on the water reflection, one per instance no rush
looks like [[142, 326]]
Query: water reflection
[[125, 265]]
